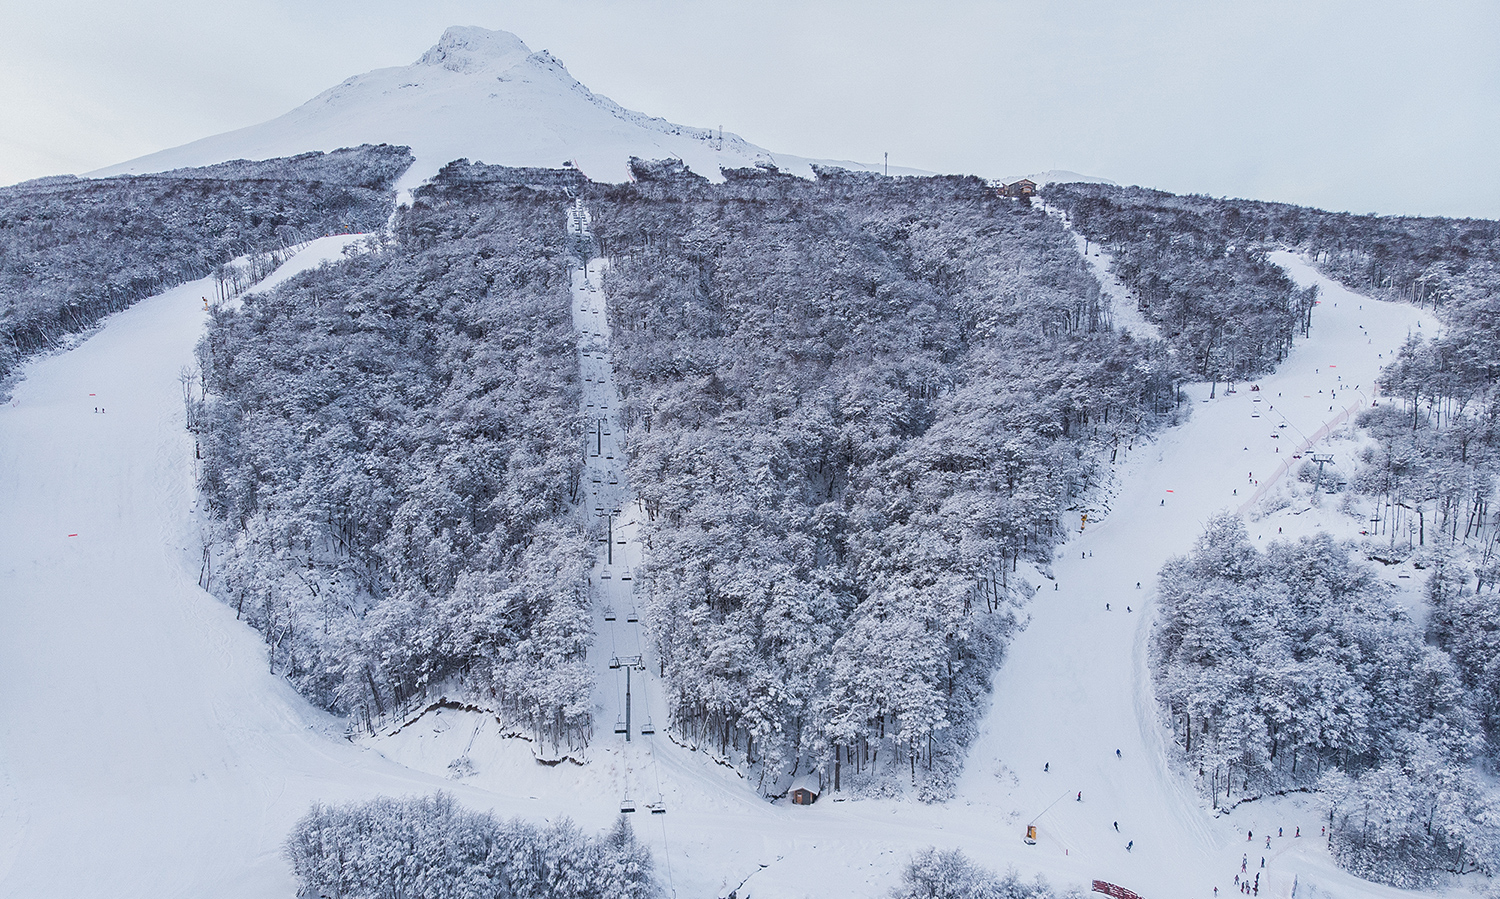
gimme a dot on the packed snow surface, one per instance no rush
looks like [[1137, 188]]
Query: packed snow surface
[[484, 96], [145, 750]]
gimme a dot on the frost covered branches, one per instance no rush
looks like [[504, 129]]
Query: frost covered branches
[[73, 250], [1291, 668], [392, 446], [430, 847], [854, 405], [936, 874]]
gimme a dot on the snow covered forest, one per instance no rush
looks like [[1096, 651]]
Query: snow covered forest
[[853, 405], [431, 847], [392, 446], [1292, 668], [73, 250]]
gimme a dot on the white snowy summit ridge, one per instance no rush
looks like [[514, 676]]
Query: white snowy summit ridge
[[481, 95]]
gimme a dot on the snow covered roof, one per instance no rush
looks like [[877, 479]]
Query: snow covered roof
[[808, 782]]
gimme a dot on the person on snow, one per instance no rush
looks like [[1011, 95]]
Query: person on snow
[[1117, 753], [1080, 795], [1117, 827], [1129, 845]]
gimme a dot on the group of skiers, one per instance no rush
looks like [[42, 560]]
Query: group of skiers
[[1244, 881]]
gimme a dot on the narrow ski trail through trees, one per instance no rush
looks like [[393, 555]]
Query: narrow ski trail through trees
[[628, 702]]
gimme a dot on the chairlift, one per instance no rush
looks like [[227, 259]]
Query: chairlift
[[610, 615], [627, 806], [620, 726], [658, 809], [632, 617], [648, 728], [604, 575]]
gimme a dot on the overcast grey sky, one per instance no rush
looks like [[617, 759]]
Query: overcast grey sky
[[1365, 106]]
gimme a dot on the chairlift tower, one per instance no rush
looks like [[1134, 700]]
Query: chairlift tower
[[609, 534], [1321, 459], [627, 662]]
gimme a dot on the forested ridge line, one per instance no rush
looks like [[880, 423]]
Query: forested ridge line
[[853, 406], [73, 250]]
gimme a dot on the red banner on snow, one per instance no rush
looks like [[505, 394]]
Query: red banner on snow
[[1118, 892]]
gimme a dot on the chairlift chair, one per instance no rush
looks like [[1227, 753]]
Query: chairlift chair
[[627, 806], [632, 617], [610, 615], [648, 728], [620, 726], [658, 809]]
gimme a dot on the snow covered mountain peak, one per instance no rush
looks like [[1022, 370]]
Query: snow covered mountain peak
[[485, 96], [467, 49]]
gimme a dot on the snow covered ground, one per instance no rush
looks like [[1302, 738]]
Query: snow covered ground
[[146, 751]]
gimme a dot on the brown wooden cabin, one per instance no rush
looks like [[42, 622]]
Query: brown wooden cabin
[[805, 790], [1017, 189]]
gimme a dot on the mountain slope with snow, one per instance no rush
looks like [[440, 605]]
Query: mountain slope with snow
[[482, 95]]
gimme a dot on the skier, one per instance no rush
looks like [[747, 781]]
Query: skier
[[1117, 753], [1278, 833], [1106, 607], [1127, 608], [1137, 585], [1298, 833], [1047, 767], [1129, 845], [1268, 842], [1080, 795], [1262, 864], [1117, 827], [1163, 502]]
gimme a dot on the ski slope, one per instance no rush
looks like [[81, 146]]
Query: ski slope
[[145, 750]]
